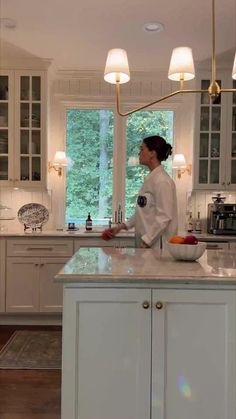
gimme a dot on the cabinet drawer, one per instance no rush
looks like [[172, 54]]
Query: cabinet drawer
[[98, 242], [40, 247]]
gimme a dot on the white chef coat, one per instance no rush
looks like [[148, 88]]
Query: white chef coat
[[156, 214]]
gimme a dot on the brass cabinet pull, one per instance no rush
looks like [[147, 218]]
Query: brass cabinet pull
[[146, 304], [159, 305]]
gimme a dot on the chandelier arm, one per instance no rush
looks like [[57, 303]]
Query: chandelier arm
[[213, 58], [228, 90], [154, 102]]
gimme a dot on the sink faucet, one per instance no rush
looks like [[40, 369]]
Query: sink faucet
[[110, 222]]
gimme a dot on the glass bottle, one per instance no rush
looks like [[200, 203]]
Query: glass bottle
[[89, 223], [190, 223], [198, 227]]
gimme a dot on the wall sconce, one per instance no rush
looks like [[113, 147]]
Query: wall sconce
[[60, 160], [179, 163]]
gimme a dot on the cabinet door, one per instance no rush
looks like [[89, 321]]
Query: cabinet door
[[231, 149], [209, 170], [30, 128], [22, 285], [51, 292], [194, 354], [106, 354]]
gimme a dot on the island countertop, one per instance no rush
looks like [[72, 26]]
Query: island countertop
[[147, 266]]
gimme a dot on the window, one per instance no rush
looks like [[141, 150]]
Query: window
[[89, 145]]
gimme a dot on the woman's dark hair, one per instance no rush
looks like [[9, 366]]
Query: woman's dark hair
[[159, 145]]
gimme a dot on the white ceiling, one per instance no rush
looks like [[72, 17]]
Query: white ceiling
[[77, 34]]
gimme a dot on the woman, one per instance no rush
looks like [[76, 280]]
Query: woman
[[155, 217]]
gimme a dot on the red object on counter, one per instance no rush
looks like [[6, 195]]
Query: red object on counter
[[106, 235]]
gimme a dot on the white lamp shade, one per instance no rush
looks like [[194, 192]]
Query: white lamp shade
[[179, 162], [234, 68], [117, 67], [60, 159], [181, 64]]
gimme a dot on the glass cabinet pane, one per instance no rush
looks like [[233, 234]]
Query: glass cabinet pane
[[233, 171], [3, 141], [36, 170], [204, 144], [24, 88], [3, 114], [204, 125], [36, 88], [214, 171], [36, 144], [215, 145], [3, 167], [36, 116], [24, 115], [24, 168], [234, 118], [24, 142], [205, 99], [3, 87], [203, 171], [233, 150], [215, 120], [234, 94]]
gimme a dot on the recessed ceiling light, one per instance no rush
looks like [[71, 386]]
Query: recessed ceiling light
[[8, 23], [153, 27]]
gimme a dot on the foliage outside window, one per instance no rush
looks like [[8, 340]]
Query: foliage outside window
[[141, 125], [89, 146]]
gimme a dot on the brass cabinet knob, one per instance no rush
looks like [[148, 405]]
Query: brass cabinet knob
[[159, 305], [146, 304]]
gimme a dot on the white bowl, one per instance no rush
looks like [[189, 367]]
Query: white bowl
[[186, 251]]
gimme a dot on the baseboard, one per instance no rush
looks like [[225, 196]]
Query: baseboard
[[31, 319]]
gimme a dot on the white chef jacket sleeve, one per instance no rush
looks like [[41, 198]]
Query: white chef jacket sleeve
[[164, 198]]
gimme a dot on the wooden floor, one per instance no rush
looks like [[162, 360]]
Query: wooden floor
[[29, 394]]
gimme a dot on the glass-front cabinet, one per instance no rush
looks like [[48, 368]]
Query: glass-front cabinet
[[215, 141], [23, 129]]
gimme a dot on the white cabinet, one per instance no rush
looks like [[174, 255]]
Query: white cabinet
[[23, 101], [215, 138], [142, 353], [31, 268]]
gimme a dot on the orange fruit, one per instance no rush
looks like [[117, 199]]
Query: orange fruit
[[177, 240]]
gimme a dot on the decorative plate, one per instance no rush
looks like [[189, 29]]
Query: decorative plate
[[33, 215]]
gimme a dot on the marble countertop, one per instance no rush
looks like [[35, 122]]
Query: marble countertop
[[130, 265], [96, 232]]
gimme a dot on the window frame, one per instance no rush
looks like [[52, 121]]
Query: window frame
[[119, 144]]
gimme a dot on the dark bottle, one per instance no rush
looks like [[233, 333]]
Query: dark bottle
[[89, 223]]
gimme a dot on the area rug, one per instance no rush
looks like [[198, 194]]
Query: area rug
[[30, 349]]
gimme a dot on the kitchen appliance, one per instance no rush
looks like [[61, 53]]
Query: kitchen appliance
[[221, 218]]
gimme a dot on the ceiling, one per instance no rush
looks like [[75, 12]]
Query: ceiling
[[76, 34]]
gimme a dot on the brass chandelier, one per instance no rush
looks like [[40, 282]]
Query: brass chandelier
[[181, 69]]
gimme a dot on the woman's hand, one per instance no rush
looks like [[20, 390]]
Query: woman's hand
[[109, 233]]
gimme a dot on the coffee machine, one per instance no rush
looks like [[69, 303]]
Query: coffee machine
[[221, 218]]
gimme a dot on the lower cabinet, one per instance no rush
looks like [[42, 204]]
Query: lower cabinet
[[148, 353], [30, 285]]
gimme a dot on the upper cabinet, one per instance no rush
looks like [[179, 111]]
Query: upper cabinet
[[23, 128], [215, 138]]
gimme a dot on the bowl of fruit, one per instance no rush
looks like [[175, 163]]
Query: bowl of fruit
[[185, 248]]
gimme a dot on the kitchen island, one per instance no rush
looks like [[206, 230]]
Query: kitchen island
[[145, 336]]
